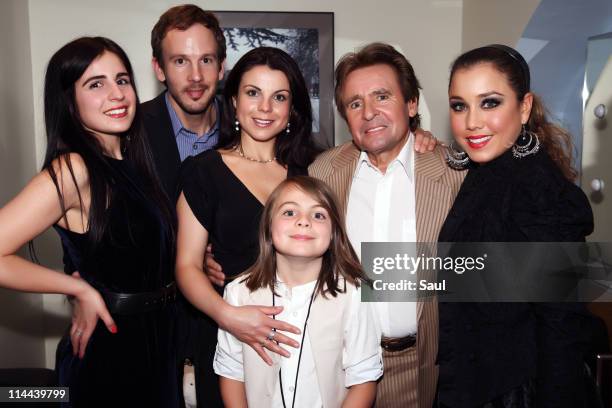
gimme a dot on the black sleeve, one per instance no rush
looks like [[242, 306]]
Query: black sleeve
[[196, 184], [551, 209]]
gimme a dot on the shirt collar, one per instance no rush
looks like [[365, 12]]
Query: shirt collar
[[305, 288], [404, 159], [177, 125]]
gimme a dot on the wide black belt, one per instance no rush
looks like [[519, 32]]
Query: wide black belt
[[398, 343], [141, 302]]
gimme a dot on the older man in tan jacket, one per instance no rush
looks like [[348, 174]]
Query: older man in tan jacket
[[391, 193]]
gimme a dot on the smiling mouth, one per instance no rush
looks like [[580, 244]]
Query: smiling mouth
[[478, 142], [117, 113], [374, 129], [262, 122], [301, 237]]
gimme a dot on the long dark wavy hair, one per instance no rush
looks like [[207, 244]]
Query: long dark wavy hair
[[66, 133], [291, 149], [556, 141], [339, 260]]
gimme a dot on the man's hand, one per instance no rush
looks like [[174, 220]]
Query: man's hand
[[213, 269], [424, 141], [252, 325]]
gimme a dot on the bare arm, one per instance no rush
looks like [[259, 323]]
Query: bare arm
[[250, 324], [233, 393], [25, 217], [360, 396]]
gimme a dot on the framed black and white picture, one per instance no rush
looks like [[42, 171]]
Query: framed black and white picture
[[307, 37]]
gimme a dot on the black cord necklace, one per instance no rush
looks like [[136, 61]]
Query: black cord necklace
[[297, 372]]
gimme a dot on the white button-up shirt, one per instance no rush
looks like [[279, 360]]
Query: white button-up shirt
[[381, 208], [361, 323]]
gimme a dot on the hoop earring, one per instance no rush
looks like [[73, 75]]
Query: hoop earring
[[455, 158], [288, 130], [526, 144], [237, 125]]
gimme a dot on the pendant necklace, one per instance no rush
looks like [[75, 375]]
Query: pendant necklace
[[297, 372]]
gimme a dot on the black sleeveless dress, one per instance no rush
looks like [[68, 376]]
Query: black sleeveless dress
[[230, 213], [135, 366]]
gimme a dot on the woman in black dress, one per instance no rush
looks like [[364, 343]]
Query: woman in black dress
[[99, 191], [519, 188], [265, 138]]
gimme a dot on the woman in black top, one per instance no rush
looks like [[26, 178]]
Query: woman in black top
[[99, 191], [519, 188], [265, 138]]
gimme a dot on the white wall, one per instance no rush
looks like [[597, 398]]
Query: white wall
[[502, 22], [21, 320]]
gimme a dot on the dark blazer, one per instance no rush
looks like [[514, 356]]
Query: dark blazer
[[192, 326], [158, 128]]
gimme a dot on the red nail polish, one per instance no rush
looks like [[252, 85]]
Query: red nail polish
[[113, 329]]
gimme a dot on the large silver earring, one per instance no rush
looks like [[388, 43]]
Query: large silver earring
[[526, 144], [288, 130], [237, 125], [455, 158]]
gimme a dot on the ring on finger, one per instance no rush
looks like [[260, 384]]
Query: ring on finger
[[271, 335], [78, 333], [263, 342]]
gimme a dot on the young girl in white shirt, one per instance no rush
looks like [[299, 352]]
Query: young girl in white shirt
[[307, 265]]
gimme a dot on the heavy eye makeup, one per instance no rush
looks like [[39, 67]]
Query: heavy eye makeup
[[457, 105], [490, 103]]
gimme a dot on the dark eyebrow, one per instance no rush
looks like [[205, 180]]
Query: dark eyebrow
[[489, 93], [352, 99], [259, 89], [381, 91], [482, 95], [96, 77]]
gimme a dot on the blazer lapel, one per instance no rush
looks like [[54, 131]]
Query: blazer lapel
[[342, 177], [431, 194]]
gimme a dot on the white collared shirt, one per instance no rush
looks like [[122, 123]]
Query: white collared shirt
[[381, 208], [360, 364]]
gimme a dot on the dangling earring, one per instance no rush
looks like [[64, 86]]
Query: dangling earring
[[526, 144], [288, 130], [237, 125], [456, 159]]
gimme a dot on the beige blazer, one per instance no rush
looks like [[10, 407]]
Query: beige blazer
[[436, 186], [326, 333]]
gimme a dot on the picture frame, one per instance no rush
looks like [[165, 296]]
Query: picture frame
[[307, 36]]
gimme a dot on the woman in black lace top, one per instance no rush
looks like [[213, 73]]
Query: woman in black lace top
[[519, 188]]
